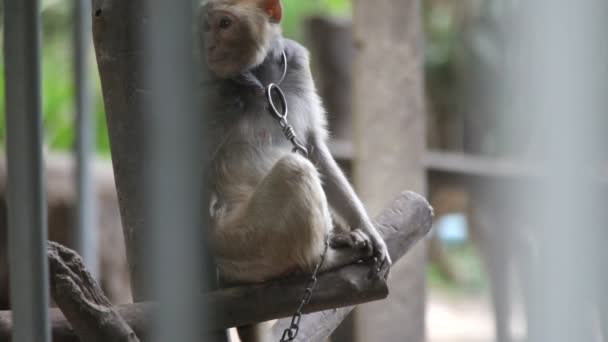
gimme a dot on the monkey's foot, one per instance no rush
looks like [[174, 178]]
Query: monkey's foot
[[355, 239]]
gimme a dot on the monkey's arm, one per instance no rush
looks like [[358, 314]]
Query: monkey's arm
[[343, 199]]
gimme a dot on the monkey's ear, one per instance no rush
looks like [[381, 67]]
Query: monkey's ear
[[274, 9]]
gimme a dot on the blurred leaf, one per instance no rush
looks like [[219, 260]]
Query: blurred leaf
[[297, 10]]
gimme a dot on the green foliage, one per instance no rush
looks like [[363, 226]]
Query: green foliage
[[297, 10], [58, 84], [441, 34], [58, 105]]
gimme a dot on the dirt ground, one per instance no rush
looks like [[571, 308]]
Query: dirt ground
[[462, 319]]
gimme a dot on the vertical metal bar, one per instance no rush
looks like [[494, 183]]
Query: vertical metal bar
[[26, 201], [86, 220], [559, 87], [174, 175]]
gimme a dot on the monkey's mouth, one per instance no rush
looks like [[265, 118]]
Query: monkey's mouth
[[216, 59]]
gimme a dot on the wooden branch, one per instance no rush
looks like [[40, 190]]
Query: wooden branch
[[82, 301], [85, 313], [402, 224], [118, 31]]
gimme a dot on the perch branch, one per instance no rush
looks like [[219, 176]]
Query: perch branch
[[82, 301], [404, 223]]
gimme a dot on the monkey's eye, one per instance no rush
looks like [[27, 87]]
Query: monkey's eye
[[225, 23]]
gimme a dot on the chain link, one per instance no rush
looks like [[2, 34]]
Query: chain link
[[281, 116], [291, 332], [279, 113]]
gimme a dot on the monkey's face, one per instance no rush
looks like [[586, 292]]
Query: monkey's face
[[228, 42]]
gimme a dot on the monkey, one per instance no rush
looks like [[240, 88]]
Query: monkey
[[271, 208]]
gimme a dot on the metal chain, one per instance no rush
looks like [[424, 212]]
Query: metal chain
[[273, 90], [280, 112], [291, 332]]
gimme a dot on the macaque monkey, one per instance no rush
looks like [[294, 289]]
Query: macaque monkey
[[270, 207]]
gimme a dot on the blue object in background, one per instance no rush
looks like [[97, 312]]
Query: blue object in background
[[452, 228]]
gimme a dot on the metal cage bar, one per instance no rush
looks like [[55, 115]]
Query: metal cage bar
[[556, 86], [86, 219], [26, 199], [173, 174]]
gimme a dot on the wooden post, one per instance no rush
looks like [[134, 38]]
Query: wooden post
[[389, 147], [118, 29], [330, 42]]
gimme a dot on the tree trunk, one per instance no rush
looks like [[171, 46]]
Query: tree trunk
[[389, 147], [118, 29], [331, 48]]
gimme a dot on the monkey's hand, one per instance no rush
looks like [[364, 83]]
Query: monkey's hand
[[370, 244], [355, 239], [382, 260]]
